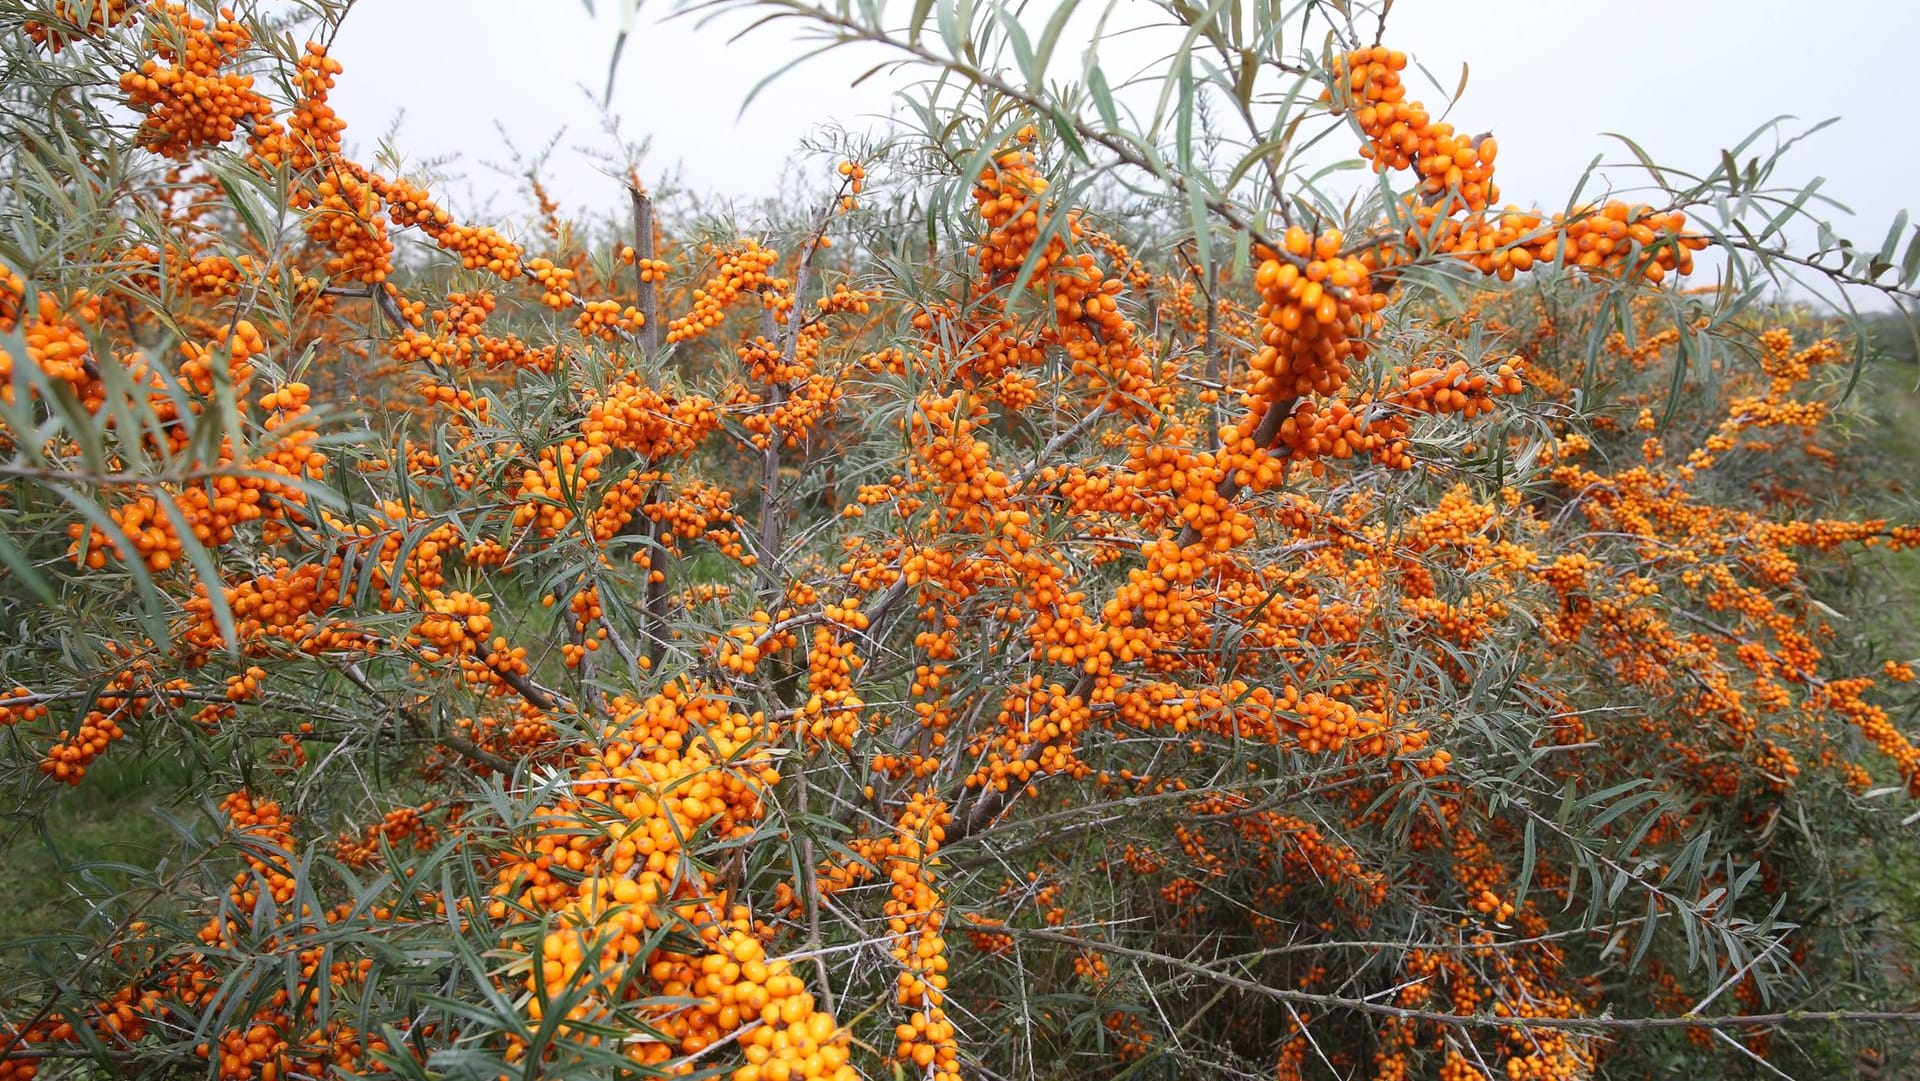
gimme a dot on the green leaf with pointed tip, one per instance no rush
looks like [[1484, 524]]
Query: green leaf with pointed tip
[[1247, 77], [1202, 229], [1910, 265], [613, 67], [24, 572], [629, 13], [1892, 243], [1183, 120], [1049, 38], [1792, 209], [243, 205], [1017, 37], [1252, 158], [953, 27], [1529, 852], [1182, 61], [776, 73], [917, 21], [153, 610], [1767, 127], [1063, 126], [1054, 224], [1102, 97], [1731, 170], [209, 573], [1646, 162]]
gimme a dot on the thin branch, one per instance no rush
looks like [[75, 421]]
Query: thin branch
[[1478, 1020]]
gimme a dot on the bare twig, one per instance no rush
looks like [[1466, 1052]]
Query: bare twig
[[1478, 1020], [643, 254]]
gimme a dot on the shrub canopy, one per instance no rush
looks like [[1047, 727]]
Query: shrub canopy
[[1070, 596]]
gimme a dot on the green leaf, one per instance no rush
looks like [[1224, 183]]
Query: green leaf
[[1202, 229], [1049, 38], [242, 203], [776, 73], [629, 13], [1791, 209], [25, 572], [203, 565], [1017, 37], [1063, 126], [1910, 266], [153, 611], [1646, 939], [1684, 361], [917, 21], [613, 67], [1102, 97], [1053, 224], [953, 27], [1756, 133], [1646, 162], [1529, 852], [1253, 157], [1892, 242], [1183, 120], [1247, 77]]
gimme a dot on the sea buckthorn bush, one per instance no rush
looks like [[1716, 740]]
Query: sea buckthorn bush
[[1070, 596]]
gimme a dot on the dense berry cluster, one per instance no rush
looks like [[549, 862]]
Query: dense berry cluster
[[72, 21], [185, 98]]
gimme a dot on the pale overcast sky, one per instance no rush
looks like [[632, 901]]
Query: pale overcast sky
[[1684, 77]]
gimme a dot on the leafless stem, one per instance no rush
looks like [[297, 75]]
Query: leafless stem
[[1229, 488], [643, 254], [654, 607], [1478, 1020]]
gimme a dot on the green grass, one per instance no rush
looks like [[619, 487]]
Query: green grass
[[107, 818], [1889, 598], [1891, 580]]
